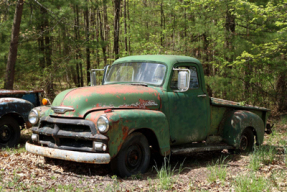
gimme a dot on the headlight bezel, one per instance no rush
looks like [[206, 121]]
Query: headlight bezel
[[104, 122], [36, 117]]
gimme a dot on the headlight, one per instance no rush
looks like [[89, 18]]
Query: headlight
[[33, 117], [103, 124]]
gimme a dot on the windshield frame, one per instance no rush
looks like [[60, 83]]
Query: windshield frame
[[132, 82]]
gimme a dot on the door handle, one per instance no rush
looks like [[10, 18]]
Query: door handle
[[204, 95]]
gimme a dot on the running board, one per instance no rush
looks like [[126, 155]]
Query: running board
[[185, 150]]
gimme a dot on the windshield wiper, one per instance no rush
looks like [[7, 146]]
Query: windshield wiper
[[140, 84]]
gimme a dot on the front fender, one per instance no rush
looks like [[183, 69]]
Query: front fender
[[236, 122], [124, 122]]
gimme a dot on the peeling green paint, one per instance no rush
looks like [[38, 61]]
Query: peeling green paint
[[124, 122], [167, 118], [237, 121]]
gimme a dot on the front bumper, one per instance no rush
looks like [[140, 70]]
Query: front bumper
[[82, 157]]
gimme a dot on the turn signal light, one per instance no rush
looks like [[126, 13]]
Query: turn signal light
[[45, 101]]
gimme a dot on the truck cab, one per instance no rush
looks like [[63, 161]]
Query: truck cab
[[146, 103]]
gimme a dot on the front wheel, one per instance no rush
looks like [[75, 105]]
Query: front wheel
[[9, 132], [134, 156], [246, 141]]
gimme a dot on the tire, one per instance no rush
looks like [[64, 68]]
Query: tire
[[246, 141], [133, 158], [9, 132]]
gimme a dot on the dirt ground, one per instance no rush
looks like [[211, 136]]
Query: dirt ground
[[21, 171]]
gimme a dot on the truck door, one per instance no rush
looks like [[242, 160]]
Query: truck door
[[188, 111]]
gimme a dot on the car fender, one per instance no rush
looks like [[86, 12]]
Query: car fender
[[124, 122], [236, 122]]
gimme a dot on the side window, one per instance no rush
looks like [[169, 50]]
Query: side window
[[193, 78]]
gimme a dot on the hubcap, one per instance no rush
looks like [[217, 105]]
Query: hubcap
[[243, 143], [134, 157], [5, 133]]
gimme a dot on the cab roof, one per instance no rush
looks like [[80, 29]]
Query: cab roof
[[167, 59]]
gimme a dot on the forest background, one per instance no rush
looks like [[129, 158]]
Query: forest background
[[241, 43]]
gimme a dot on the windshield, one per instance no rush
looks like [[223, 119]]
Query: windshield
[[149, 73]]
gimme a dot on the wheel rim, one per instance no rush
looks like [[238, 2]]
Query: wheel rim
[[243, 143], [134, 157], [5, 133]]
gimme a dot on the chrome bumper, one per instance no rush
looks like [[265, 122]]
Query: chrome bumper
[[82, 157]]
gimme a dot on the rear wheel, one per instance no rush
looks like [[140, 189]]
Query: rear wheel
[[134, 156], [246, 141], [9, 132]]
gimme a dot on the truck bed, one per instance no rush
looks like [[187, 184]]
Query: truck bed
[[220, 108], [234, 105]]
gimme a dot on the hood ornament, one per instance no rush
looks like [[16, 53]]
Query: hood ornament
[[62, 110]]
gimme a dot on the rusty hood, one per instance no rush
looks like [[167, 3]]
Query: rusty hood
[[80, 101]]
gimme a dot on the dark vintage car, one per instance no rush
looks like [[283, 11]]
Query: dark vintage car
[[15, 106]]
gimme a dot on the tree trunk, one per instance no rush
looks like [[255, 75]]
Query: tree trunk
[[10, 69], [125, 25], [48, 53], [88, 43], [281, 89], [79, 72], [117, 9], [103, 33], [230, 30], [129, 28], [161, 24]]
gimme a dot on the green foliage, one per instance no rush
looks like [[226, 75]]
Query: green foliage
[[165, 173], [217, 170], [241, 43], [263, 155], [16, 150], [251, 183]]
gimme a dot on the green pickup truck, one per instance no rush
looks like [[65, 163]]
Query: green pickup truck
[[147, 103]]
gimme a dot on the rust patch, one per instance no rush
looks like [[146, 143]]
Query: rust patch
[[116, 89], [125, 134]]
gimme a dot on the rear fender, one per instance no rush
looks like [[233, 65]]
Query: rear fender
[[125, 122], [236, 122]]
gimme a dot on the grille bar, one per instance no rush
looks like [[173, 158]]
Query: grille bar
[[70, 122], [68, 134]]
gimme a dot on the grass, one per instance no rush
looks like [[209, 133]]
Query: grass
[[285, 156], [18, 149], [217, 170], [263, 155], [151, 186], [166, 172], [250, 183]]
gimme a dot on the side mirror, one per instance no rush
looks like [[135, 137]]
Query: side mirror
[[183, 79], [93, 76]]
